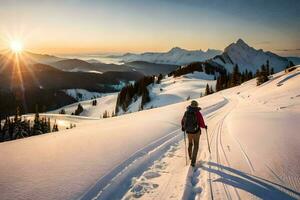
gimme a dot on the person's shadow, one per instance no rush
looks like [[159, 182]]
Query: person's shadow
[[259, 187]]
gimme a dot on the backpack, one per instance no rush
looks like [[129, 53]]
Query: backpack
[[190, 122]]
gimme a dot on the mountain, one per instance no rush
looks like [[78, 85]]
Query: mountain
[[151, 68], [77, 65], [176, 56], [295, 60], [40, 58], [31, 84], [73, 65], [36, 76], [249, 58]]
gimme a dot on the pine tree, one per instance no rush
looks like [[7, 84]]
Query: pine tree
[[258, 78], [257, 73], [250, 75], [113, 114], [55, 127], [218, 84], [159, 78], [62, 112], [262, 75], [145, 97], [17, 115], [79, 109], [235, 79], [105, 114], [211, 90], [37, 125], [207, 91], [268, 71]]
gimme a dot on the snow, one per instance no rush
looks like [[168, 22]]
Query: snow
[[249, 58], [163, 173], [252, 130], [106, 102], [255, 151], [175, 56], [87, 71], [81, 94], [171, 90], [174, 90]]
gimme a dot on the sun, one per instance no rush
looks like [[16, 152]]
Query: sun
[[16, 46]]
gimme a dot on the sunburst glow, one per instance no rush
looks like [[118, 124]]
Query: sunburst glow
[[16, 46]]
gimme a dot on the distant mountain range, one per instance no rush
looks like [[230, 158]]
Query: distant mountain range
[[29, 84], [240, 53], [249, 58], [76, 65], [151, 63], [41, 58], [176, 56], [45, 76]]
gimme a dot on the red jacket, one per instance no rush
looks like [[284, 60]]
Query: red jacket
[[199, 118]]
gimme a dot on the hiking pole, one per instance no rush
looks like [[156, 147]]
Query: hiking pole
[[186, 162], [207, 141]]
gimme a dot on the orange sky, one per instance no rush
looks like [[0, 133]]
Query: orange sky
[[69, 27]]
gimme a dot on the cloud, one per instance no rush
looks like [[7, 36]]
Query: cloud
[[298, 49], [263, 42]]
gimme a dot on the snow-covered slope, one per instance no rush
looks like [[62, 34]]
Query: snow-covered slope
[[253, 132], [174, 90], [171, 90], [105, 102], [176, 56], [249, 58], [254, 149], [81, 94]]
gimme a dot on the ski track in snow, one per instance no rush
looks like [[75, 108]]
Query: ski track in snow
[[143, 185], [230, 178], [279, 191], [119, 179]]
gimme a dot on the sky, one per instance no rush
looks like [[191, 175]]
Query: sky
[[90, 26]]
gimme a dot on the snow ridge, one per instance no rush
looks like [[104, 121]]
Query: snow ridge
[[249, 58], [176, 56]]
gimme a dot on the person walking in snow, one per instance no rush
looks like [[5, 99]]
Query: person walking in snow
[[191, 123]]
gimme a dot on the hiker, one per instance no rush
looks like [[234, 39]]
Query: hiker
[[191, 123]]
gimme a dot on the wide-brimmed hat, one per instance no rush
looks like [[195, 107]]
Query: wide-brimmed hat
[[194, 104]]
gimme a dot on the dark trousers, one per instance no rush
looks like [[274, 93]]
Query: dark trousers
[[193, 145]]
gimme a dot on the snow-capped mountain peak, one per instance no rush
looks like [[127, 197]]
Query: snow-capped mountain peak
[[177, 50], [241, 42], [247, 57], [238, 46], [175, 56]]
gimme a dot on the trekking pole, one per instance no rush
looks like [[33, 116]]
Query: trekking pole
[[207, 141], [186, 162]]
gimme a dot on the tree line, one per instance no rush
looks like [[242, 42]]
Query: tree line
[[228, 80], [132, 92], [16, 127], [236, 78], [206, 67]]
